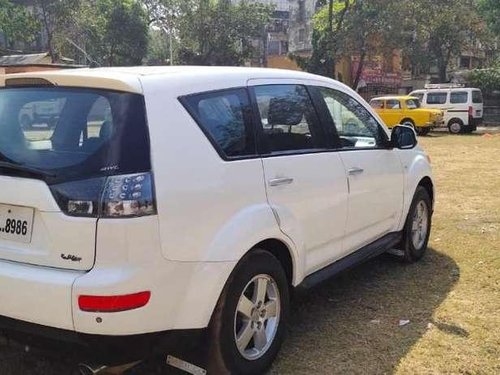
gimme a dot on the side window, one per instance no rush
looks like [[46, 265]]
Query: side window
[[477, 97], [377, 104], [436, 97], [412, 104], [289, 121], [355, 126], [393, 104], [458, 97], [224, 118]]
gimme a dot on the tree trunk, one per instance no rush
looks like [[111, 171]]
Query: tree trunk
[[46, 25], [359, 71]]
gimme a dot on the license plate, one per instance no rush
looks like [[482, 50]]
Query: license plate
[[16, 223]]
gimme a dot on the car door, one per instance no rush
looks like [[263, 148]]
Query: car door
[[305, 180], [374, 171], [394, 112]]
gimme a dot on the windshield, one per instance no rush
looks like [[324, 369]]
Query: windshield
[[73, 133]]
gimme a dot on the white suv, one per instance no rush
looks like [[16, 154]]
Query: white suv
[[177, 203]]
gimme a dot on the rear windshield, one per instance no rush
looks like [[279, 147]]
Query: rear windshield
[[72, 133], [477, 97]]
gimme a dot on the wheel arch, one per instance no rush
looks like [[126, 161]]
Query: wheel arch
[[282, 252], [427, 184], [407, 119]]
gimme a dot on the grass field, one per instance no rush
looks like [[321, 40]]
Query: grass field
[[350, 325]]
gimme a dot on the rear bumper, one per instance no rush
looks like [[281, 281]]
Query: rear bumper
[[475, 121], [103, 349]]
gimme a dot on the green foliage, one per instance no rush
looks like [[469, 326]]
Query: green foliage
[[441, 30], [111, 32], [221, 33], [490, 10], [488, 80], [16, 23]]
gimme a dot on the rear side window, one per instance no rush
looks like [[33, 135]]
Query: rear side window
[[459, 97], [377, 104], [477, 97], [288, 118], [224, 116], [393, 104], [436, 97]]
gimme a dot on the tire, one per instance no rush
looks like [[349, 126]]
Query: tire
[[228, 322], [414, 244], [408, 122], [455, 126], [25, 122], [423, 131]]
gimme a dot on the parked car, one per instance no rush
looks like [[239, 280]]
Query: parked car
[[44, 113], [462, 106], [207, 195], [406, 110]]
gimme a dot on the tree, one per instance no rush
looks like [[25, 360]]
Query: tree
[[56, 17], [106, 32], [443, 29], [220, 32], [488, 80], [345, 28], [16, 23], [490, 11]]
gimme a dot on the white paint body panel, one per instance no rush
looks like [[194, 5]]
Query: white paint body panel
[[210, 212]]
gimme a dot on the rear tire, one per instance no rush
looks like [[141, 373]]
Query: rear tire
[[247, 326], [455, 126], [417, 228]]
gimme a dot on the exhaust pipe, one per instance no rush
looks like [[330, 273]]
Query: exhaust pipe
[[89, 369], [93, 369]]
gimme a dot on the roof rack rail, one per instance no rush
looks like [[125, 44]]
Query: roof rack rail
[[444, 85]]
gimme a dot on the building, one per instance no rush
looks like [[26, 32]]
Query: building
[[32, 62]]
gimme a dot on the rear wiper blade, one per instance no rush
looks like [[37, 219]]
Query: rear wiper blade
[[24, 168]]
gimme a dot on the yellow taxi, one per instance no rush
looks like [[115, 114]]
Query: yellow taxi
[[406, 110]]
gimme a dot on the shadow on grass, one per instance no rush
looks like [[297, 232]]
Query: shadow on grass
[[350, 324]]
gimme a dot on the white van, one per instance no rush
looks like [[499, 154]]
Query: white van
[[462, 106], [171, 205]]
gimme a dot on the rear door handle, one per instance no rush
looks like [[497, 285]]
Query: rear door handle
[[355, 170], [280, 181]]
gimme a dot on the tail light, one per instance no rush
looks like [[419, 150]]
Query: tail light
[[115, 196], [471, 111]]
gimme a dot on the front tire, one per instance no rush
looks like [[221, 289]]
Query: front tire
[[248, 323], [417, 228]]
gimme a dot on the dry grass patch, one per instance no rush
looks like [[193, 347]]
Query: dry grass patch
[[350, 325]]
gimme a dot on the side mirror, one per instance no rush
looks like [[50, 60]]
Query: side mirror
[[403, 137]]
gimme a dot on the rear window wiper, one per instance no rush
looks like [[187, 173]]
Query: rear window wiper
[[25, 168]]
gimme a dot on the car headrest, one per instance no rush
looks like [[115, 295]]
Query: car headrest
[[106, 131], [285, 111]]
